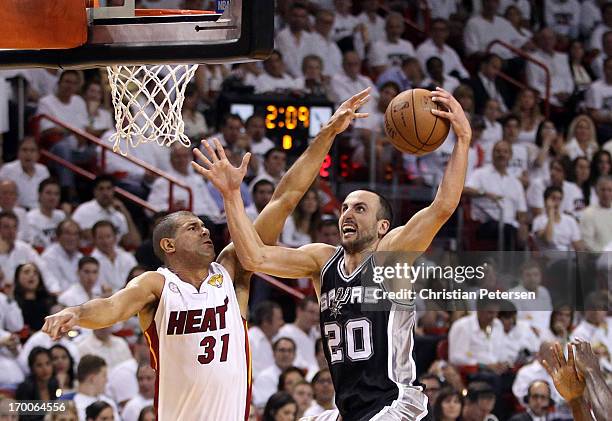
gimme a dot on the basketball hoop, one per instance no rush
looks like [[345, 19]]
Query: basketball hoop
[[148, 101]]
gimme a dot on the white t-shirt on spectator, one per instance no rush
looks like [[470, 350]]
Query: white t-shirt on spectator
[[520, 338], [376, 27], [42, 227], [442, 8], [27, 186], [561, 79], [573, 150], [492, 133], [314, 409], [386, 53], [595, 227], [43, 340], [479, 33], [23, 229], [260, 148], [267, 83], [590, 16], [593, 334], [261, 350], [293, 51], [329, 52], [345, 87], [523, 5], [24, 253], [122, 382], [573, 199], [596, 41], [563, 17], [508, 186], [468, 344], [114, 351], [75, 295], [527, 375], [535, 312], [344, 26], [134, 406], [265, 385], [291, 237], [114, 274], [11, 318], [88, 213], [449, 57], [565, 232], [74, 113], [102, 120], [62, 266], [450, 83], [518, 163], [82, 401], [599, 96], [42, 81]]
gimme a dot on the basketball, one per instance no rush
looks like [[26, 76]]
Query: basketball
[[411, 126]]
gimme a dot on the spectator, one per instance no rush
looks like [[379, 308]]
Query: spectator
[[40, 384], [302, 394], [65, 105], [99, 118], [482, 29], [289, 378], [347, 31], [99, 411], [601, 28], [266, 383], [10, 371], [561, 80], [373, 22], [113, 349], [597, 63], [300, 228], [295, 42], [392, 50], [314, 82], [304, 331], [32, 295], [593, 328], [582, 137], [324, 45], [145, 254], [572, 198], [262, 193], [538, 402], [581, 70], [519, 340], [580, 175], [551, 146], [448, 406], [494, 190], [256, 131], [600, 165], [493, 131], [554, 230], [69, 413], [535, 312], [195, 124], [527, 109], [436, 46], [274, 165], [123, 380], [104, 206], [594, 222], [346, 83], [563, 17], [62, 258], [231, 131], [87, 288], [323, 389], [275, 78], [63, 368], [280, 407], [148, 414], [328, 232], [438, 77], [599, 102], [115, 262], [266, 321], [432, 385], [532, 372], [41, 82], [146, 393], [26, 172], [487, 85], [521, 35], [590, 15], [521, 156], [8, 203], [479, 402], [407, 76], [202, 202], [11, 319], [44, 220]]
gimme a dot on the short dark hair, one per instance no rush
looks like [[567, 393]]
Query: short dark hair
[[489, 58], [262, 182], [69, 72], [103, 178], [285, 373], [50, 181], [431, 60], [306, 300], [477, 389], [101, 224], [229, 117], [327, 222], [284, 338], [88, 365], [385, 211], [276, 402], [390, 84], [271, 151], [9, 215], [28, 139], [35, 352], [60, 227], [253, 117], [550, 190], [508, 118], [88, 260], [298, 5], [93, 410], [444, 393], [507, 309], [166, 228], [263, 312]]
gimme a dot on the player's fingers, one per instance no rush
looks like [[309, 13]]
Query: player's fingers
[[361, 95], [547, 367], [245, 162], [361, 115], [361, 102], [440, 113], [199, 155], [558, 354], [200, 169], [442, 91], [570, 354], [220, 150], [210, 151]]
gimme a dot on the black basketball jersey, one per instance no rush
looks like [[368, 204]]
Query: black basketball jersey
[[367, 342]]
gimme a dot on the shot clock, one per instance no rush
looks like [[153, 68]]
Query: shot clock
[[289, 121]]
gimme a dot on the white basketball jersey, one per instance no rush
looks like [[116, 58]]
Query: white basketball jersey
[[199, 346]]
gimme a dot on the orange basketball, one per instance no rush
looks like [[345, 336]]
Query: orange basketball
[[411, 126]]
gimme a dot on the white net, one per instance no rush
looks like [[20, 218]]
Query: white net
[[148, 101]]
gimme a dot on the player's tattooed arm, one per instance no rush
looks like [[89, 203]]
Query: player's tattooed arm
[[417, 234], [103, 312], [303, 172]]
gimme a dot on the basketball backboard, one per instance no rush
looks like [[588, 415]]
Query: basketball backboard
[[125, 35]]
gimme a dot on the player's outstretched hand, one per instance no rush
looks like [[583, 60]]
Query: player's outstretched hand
[[347, 112], [455, 113], [224, 176], [568, 382], [585, 358], [60, 323]]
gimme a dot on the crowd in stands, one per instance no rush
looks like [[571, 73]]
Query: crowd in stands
[[539, 179]]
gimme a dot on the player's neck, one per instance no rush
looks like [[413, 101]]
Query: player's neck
[[194, 276], [353, 260]]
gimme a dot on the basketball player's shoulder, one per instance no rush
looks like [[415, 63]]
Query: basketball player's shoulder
[[150, 281], [320, 252]]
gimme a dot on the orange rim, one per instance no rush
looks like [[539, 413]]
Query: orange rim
[[170, 12]]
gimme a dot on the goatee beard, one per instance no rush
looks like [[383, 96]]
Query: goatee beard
[[358, 245]]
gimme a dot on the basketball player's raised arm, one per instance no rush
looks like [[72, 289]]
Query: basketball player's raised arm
[[98, 313], [416, 235], [253, 254]]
